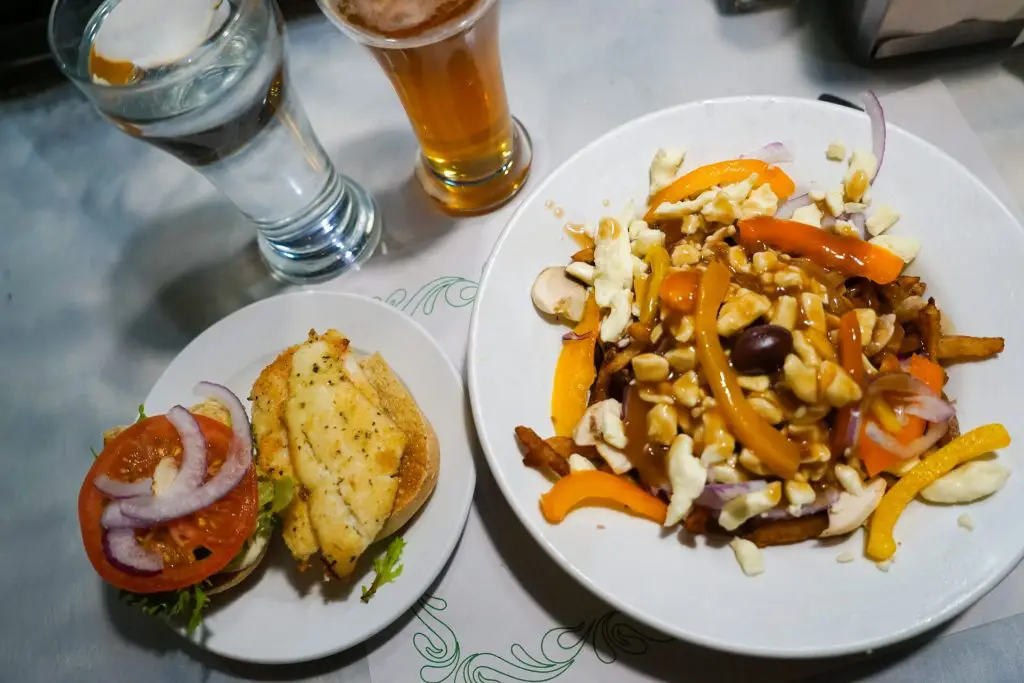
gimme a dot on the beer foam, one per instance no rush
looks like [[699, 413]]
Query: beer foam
[[150, 33], [394, 16]]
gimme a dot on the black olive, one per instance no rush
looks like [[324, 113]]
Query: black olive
[[761, 349]]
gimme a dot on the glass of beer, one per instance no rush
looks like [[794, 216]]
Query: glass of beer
[[207, 81], [442, 58]]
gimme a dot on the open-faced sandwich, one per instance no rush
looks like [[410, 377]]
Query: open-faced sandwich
[[172, 510], [181, 506]]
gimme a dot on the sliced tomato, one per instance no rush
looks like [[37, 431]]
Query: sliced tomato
[[193, 547]]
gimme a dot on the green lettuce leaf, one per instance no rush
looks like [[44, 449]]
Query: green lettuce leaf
[[387, 568], [187, 603]]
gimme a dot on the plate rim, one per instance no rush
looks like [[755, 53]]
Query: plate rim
[[451, 542], [950, 611]]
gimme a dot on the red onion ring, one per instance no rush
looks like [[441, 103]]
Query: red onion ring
[[125, 553], [572, 336], [715, 496], [788, 207], [192, 469], [931, 408], [899, 382], [113, 518], [852, 434], [116, 489], [772, 153], [874, 111], [154, 510], [821, 503], [920, 445], [859, 220]]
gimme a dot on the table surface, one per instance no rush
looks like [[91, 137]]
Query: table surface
[[106, 273]]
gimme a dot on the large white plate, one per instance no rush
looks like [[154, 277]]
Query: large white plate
[[806, 604], [279, 615]]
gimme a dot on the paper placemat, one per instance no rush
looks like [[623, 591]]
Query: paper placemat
[[503, 611]]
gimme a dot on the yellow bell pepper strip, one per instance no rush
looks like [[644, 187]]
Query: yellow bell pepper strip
[[977, 442], [774, 450], [874, 456], [659, 261], [722, 173], [595, 486], [678, 291], [849, 255], [575, 372], [850, 351]]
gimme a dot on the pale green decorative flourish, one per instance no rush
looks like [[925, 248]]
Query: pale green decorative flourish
[[608, 636], [455, 291]]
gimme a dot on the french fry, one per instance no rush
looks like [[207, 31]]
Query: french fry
[[929, 324], [788, 531], [585, 255], [613, 362], [539, 454], [960, 349]]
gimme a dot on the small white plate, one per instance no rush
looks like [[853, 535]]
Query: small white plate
[[805, 604], [280, 615]]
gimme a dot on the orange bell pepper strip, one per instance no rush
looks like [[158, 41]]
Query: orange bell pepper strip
[[575, 372], [881, 544], [850, 352], [721, 173], [774, 450], [875, 458], [849, 255], [678, 291], [595, 486]]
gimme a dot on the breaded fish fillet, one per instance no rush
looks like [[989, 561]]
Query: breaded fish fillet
[[345, 452], [269, 396]]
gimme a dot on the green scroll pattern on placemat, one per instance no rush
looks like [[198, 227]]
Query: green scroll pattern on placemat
[[452, 290], [608, 636]]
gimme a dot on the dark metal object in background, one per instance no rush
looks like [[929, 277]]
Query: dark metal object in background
[[25, 62], [881, 29], [835, 99]]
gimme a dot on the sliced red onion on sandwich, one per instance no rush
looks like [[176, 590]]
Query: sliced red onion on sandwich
[[116, 489], [124, 552]]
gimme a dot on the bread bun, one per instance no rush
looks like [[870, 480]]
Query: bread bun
[[421, 459]]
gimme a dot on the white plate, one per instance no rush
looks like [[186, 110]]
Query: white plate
[[279, 615], [806, 604]]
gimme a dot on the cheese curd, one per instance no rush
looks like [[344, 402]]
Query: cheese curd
[[810, 214], [645, 239], [748, 555], [686, 207], [834, 201], [577, 463], [904, 247], [613, 277], [664, 166], [836, 151], [741, 508], [687, 475], [620, 312], [881, 220], [862, 160], [968, 483], [721, 209], [761, 202]]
